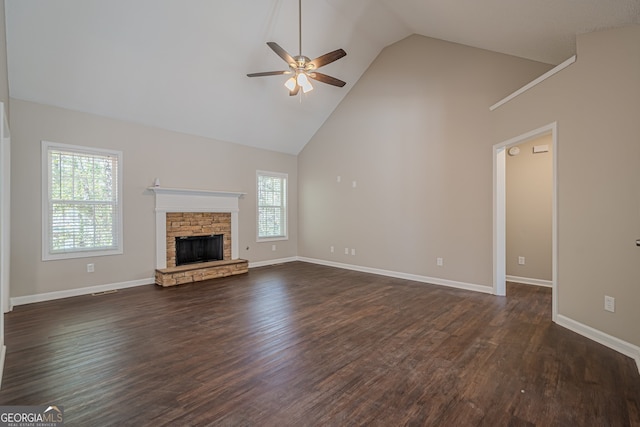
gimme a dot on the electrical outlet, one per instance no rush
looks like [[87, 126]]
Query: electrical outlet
[[521, 260], [273, 247], [609, 303], [439, 262], [91, 267], [353, 251], [332, 249], [346, 251]]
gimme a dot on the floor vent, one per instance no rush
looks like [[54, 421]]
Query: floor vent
[[97, 294]]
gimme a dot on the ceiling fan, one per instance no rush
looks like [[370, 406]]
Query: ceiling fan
[[301, 66]]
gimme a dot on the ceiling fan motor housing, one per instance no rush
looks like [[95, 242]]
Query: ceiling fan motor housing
[[303, 63]]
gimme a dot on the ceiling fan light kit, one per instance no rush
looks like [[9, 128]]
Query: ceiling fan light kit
[[301, 66]]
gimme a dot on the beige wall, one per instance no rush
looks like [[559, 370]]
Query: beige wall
[[4, 82], [529, 189], [596, 103], [179, 160], [415, 133]]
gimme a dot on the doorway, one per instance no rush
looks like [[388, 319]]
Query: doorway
[[499, 210]]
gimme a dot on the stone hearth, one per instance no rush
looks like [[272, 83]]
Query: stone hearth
[[199, 272]]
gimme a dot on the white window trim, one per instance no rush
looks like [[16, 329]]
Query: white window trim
[[286, 207], [46, 255]]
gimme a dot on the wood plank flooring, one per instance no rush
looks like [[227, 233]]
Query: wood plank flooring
[[306, 345]]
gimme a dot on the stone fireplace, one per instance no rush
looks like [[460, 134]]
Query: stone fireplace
[[188, 214], [192, 224]]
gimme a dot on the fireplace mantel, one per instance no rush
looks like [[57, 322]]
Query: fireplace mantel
[[192, 200], [195, 192]]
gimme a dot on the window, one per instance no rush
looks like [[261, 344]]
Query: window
[[272, 206], [82, 201]]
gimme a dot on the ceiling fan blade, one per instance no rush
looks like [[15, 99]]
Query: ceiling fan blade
[[281, 52], [327, 79], [295, 91], [327, 58], [269, 73]]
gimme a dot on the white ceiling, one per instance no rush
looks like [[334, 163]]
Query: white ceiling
[[182, 64]]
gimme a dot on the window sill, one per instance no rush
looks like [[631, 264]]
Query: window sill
[[82, 254], [271, 239]]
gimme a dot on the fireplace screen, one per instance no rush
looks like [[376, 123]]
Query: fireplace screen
[[194, 249]]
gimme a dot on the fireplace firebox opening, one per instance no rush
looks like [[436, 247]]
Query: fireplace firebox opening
[[196, 249]]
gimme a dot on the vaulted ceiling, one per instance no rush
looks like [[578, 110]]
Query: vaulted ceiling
[[181, 64]]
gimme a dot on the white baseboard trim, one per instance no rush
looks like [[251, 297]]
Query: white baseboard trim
[[3, 352], [48, 296], [406, 276], [272, 262], [607, 340], [529, 281]]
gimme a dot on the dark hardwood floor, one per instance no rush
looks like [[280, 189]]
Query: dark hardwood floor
[[305, 345]]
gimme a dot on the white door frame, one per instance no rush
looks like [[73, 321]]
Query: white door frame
[[5, 200], [499, 211]]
